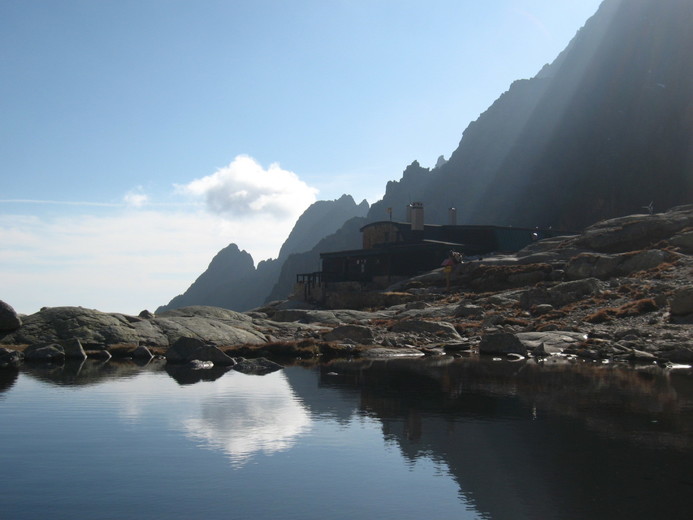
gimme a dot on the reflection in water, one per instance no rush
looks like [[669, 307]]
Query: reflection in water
[[531, 441], [249, 415], [88, 371], [8, 376], [184, 375], [509, 440], [244, 415]]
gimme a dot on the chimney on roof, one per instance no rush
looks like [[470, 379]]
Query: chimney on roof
[[417, 216]]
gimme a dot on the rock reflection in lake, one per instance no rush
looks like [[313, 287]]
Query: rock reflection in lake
[[185, 375], [89, 371], [8, 376]]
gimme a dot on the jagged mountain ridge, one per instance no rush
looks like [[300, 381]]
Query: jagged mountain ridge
[[602, 131], [228, 281], [231, 280], [320, 220]]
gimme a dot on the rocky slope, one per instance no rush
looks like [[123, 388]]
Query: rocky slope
[[621, 292]]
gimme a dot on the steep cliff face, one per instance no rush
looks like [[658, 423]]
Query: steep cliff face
[[232, 281], [604, 130]]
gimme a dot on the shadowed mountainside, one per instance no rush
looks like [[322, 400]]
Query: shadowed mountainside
[[320, 220], [604, 130], [347, 237], [231, 281]]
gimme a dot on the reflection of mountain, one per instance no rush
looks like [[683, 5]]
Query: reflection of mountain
[[525, 441], [249, 415]]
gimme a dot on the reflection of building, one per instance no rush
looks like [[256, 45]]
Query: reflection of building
[[392, 251], [529, 440]]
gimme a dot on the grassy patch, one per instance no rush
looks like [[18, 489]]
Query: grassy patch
[[662, 271], [635, 308], [338, 350], [19, 348], [158, 351], [521, 322], [383, 323], [305, 348], [466, 328], [121, 350]]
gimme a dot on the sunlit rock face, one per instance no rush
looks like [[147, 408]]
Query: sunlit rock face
[[248, 416]]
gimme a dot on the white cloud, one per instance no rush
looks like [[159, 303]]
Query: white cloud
[[140, 253], [245, 188], [136, 198]]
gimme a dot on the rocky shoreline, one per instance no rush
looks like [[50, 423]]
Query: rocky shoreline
[[620, 292]]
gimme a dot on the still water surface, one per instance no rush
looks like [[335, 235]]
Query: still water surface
[[405, 439]]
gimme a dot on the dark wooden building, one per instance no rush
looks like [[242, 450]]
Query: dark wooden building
[[393, 250]]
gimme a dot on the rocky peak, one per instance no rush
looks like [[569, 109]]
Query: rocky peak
[[321, 219]]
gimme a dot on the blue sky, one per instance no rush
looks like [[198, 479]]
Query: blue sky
[[140, 137]]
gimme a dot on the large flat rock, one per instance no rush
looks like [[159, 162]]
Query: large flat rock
[[96, 329]]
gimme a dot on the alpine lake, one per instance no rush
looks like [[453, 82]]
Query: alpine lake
[[429, 438]]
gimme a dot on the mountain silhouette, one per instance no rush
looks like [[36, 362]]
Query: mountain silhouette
[[604, 130], [232, 281]]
